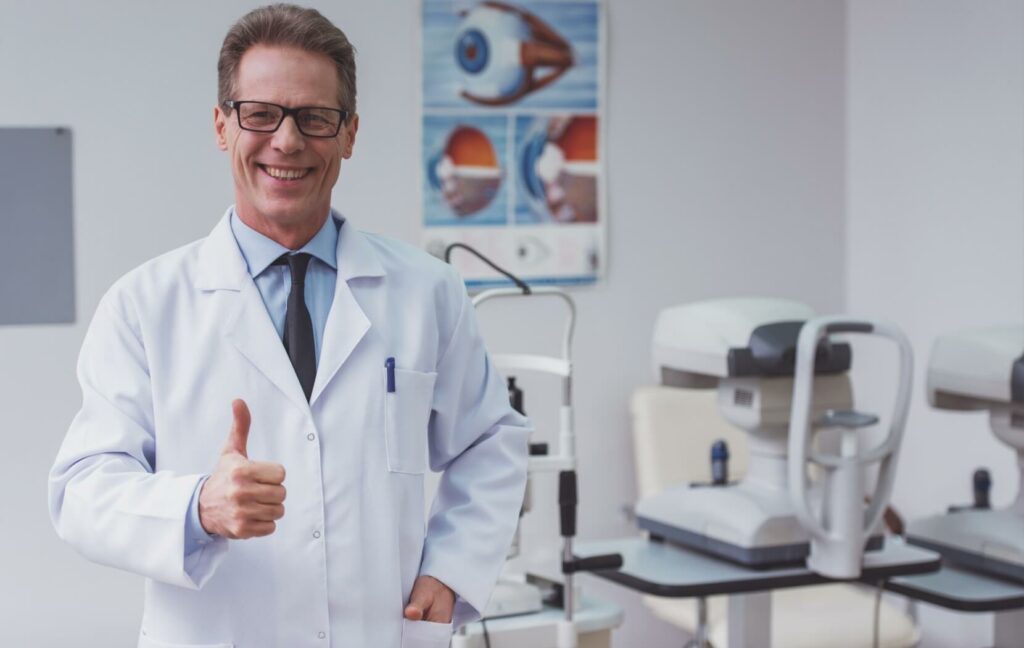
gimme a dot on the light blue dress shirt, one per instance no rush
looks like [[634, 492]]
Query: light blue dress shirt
[[274, 284]]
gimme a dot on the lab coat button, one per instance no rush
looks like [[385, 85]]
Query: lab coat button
[[316, 534], [310, 436], [322, 635]]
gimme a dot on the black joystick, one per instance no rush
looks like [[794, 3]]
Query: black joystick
[[982, 487], [719, 463]]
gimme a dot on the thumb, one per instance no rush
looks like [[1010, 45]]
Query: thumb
[[419, 603], [239, 435]]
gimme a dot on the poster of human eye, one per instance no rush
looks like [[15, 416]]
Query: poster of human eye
[[513, 152]]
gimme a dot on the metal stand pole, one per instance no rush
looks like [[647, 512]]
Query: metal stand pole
[[1008, 628], [750, 620], [700, 635]]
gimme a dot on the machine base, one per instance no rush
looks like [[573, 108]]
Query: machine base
[[972, 561], [756, 557], [984, 540], [745, 523]]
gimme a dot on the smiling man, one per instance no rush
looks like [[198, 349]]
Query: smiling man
[[260, 407]]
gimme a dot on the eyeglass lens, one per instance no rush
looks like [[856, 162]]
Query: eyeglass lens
[[262, 117]]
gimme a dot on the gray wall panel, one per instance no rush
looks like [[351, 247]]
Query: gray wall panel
[[37, 265]]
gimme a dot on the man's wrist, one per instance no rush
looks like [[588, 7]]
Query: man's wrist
[[195, 534]]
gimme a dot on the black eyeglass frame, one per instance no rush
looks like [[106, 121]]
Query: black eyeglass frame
[[285, 112]]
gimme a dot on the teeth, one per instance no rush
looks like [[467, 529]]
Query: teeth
[[285, 174]]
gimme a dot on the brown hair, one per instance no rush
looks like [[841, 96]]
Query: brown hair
[[291, 26]]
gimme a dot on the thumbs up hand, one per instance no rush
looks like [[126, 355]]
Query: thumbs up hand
[[242, 498]]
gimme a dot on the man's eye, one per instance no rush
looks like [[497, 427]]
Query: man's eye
[[261, 118], [314, 120]]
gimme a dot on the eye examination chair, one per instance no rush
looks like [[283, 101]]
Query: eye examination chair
[[673, 430]]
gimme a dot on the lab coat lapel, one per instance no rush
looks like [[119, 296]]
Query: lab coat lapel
[[347, 323], [246, 322]]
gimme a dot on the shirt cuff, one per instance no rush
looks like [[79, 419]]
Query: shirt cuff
[[195, 535]]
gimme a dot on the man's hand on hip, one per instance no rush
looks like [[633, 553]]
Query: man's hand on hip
[[431, 600], [242, 498]]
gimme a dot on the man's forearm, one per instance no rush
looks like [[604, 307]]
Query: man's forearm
[[108, 506]]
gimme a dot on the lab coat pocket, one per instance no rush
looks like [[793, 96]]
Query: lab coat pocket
[[148, 642], [407, 404], [425, 634]]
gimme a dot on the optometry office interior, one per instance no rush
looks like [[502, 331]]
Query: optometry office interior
[[792, 396]]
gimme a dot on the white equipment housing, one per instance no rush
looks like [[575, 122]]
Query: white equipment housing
[[980, 370], [783, 380]]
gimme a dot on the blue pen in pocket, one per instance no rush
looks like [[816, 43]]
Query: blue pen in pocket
[[389, 365]]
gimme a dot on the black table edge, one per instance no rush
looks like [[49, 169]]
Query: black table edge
[[870, 575]]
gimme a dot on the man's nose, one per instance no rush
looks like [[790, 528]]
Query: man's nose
[[288, 138]]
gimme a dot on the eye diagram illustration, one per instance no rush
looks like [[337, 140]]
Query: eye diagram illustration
[[466, 171], [558, 168], [531, 251], [504, 53]]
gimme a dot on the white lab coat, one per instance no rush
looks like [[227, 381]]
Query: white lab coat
[[174, 341]]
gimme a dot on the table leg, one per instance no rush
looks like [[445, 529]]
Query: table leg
[[1009, 628], [750, 620]]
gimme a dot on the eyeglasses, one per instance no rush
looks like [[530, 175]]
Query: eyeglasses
[[263, 117]]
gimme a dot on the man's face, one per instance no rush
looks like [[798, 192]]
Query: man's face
[[284, 179]]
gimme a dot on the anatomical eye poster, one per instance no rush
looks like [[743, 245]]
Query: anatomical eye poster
[[512, 160]]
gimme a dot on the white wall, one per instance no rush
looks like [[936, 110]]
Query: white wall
[[935, 220], [726, 168]]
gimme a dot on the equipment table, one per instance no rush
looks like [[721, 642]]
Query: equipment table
[[960, 589], [664, 569]]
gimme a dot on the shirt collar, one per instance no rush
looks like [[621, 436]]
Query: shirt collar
[[260, 251]]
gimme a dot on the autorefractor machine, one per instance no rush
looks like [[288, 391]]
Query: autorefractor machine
[[782, 376], [980, 370]]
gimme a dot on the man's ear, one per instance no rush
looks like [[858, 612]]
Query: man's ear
[[220, 127], [350, 138]]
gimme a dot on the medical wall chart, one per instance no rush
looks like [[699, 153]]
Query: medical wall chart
[[512, 161], [37, 260]]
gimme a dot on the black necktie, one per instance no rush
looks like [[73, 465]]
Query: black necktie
[[298, 326]]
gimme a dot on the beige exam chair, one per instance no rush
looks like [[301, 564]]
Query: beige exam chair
[[673, 430]]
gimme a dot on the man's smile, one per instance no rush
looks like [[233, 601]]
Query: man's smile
[[285, 173]]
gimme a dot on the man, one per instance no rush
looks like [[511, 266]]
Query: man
[[333, 362]]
